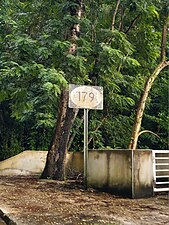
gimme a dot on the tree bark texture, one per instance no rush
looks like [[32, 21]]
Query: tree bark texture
[[163, 40], [56, 157]]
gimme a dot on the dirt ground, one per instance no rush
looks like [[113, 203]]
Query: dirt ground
[[30, 201]]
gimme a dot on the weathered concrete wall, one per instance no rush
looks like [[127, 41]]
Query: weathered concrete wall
[[33, 162], [142, 184], [74, 163], [126, 172], [110, 170], [27, 162]]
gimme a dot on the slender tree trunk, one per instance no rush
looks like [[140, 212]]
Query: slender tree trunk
[[141, 106], [142, 103], [163, 41], [55, 163], [122, 12], [114, 15]]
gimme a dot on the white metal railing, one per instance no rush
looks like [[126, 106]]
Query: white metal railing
[[161, 170]]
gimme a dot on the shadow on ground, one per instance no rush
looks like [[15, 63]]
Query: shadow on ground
[[29, 200]]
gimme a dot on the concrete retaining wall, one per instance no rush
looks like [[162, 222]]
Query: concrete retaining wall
[[27, 162], [33, 162], [142, 183], [110, 170], [125, 172]]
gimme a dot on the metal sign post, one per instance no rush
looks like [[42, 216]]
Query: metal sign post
[[85, 97], [85, 146]]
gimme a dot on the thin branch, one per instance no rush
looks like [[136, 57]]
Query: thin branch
[[74, 134], [133, 22], [97, 128], [122, 11], [163, 41], [114, 15], [148, 131]]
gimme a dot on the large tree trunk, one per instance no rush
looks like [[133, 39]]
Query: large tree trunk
[[148, 85], [55, 163]]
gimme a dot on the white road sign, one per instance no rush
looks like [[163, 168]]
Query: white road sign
[[85, 97]]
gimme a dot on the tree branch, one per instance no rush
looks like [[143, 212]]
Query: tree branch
[[148, 131], [114, 15], [97, 128], [163, 41], [122, 11], [133, 22], [74, 134]]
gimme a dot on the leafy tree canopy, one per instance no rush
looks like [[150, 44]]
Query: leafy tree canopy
[[35, 64]]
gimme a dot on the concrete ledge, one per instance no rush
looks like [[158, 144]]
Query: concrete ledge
[[11, 172], [26, 162], [33, 162]]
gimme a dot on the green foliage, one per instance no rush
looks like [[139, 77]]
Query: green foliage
[[35, 64]]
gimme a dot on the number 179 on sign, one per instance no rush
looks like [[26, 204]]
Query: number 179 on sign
[[86, 97]]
